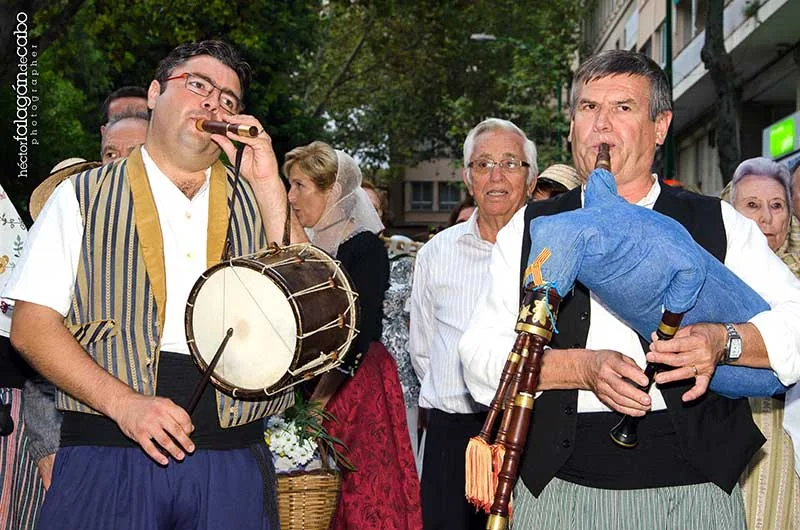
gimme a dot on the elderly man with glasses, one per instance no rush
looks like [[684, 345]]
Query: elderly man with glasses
[[451, 271], [100, 298]]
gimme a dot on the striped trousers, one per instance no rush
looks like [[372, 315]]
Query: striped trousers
[[567, 506], [21, 491]]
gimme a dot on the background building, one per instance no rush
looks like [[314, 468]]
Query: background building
[[424, 196]]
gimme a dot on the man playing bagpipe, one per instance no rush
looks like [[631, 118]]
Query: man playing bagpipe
[[693, 443]]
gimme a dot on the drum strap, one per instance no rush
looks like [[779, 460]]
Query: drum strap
[[226, 248]]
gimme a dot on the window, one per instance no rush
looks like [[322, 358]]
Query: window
[[449, 196], [422, 195], [631, 30], [662, 52]]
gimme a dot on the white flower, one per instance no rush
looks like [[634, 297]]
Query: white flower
[[290, 450]]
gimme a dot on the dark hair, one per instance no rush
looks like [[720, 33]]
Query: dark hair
[[219, 50], [550, 187], [624, 62], [123, 92], [468, 202]]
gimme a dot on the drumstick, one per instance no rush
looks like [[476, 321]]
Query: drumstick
[[201, 385]]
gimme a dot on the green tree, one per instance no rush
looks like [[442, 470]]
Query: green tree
[[402, 82], [110, 44]]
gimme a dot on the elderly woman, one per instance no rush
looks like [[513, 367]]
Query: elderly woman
[[364, 395], [760, 190]]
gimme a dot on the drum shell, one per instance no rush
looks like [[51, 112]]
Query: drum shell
[[321, 308], [320, 295]]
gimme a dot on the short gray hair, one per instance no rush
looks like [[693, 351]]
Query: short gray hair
[[624, 62], [768, 168], [497, 124]]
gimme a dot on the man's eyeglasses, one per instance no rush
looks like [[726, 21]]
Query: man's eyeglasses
[[507, 165], [204, 87]]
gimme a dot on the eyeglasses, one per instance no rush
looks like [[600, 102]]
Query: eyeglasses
[[484, 166], [204, 87]]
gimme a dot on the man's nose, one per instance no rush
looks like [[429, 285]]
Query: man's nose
[[211, 101], [602, 120], [496, 173]]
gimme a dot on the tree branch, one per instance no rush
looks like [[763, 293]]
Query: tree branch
[[343, 70], [723, 73]]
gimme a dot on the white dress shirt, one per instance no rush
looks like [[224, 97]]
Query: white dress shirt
[[47, 271], [490, 334], [450, 272]]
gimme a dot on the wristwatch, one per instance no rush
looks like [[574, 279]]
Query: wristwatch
[[733, 350]]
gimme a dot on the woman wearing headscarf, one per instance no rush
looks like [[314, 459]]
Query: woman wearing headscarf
[[364, 393], [760, 190]]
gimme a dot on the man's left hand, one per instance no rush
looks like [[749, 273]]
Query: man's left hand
[[694, 352]]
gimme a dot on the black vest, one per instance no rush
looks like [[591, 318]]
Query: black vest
[[717, 435]]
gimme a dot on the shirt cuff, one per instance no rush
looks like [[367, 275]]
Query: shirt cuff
[[780, 345]]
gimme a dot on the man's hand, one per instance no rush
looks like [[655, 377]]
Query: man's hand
[[155, 420], [259, 164], [694, 352], [45, 466], [608, 374]]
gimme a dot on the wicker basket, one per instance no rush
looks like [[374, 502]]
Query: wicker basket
[[307, 500]]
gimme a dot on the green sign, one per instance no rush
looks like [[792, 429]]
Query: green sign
[[781, 137]]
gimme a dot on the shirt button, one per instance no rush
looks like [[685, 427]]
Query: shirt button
[[188, 255], [568, 410], [188, 214], [565, 444], [584, 315]]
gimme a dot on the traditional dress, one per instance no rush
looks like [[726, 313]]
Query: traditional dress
[[383, 491], [21, 490]]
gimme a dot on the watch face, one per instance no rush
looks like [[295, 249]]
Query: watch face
[[736, 348]]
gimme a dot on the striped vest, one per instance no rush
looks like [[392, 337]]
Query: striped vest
[[117, 310]]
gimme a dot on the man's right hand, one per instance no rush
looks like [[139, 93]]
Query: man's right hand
[[608, 374], [154, 423]]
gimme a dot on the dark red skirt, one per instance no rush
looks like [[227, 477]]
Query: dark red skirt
[[383, 492]]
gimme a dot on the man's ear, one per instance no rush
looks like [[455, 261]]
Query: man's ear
[[466, 181], [153, 91], [531, 187], [662, 126]]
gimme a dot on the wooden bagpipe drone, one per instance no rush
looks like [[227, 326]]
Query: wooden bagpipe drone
[[652, 276]]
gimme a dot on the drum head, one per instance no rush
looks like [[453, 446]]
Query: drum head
[[236, 295]]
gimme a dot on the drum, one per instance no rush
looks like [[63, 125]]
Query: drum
[[293, 313]]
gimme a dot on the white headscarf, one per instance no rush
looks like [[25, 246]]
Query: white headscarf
[[348, 211]]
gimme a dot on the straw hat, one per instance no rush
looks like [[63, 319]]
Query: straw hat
[[58, 174], [563, 174]]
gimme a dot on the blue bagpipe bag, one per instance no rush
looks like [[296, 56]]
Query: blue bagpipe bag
[[639, 262]]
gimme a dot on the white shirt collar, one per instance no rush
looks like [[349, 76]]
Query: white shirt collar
[[648, 201]]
